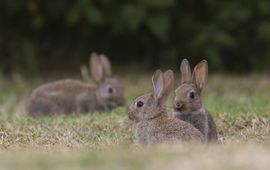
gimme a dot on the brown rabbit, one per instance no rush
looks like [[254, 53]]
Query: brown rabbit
[[73, 96], [187, 101], [149, 113]]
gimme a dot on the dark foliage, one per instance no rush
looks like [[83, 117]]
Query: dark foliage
[[232, 35]]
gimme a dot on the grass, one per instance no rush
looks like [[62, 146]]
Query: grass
[[240, 106]]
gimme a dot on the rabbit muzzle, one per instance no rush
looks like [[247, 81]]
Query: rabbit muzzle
[[120, 102], [178, 109], [112, 103], [178, 106], [132, 118]]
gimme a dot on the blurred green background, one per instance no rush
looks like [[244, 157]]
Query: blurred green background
[[39, 34]]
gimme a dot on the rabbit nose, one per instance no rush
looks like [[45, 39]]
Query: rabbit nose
[[131, 116], [178, 105], [121, 102]]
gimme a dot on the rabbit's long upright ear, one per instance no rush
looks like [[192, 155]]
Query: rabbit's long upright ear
[[168, 80], [200, 74], [106, 65], [96, 67], [185, 71], [158, 86]]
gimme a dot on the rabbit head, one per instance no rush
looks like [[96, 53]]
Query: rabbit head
[[109, 89], [152, 105], [188, 95]]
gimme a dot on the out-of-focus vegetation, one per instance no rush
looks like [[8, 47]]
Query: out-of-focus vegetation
[[232, 35]]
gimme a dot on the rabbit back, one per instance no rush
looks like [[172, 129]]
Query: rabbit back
[[63, 96], [167, 130]]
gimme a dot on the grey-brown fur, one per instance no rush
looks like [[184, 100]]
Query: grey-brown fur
[[73, 96], [166, 130], [208, 129], [153, 124], [190, 109]]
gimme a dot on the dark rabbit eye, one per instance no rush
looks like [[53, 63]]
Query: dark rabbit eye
[[192, 95], [110, 90], [140, 104]]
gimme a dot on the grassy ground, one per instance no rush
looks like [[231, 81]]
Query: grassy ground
[[240, 105]]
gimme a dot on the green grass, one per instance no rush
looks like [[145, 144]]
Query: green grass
[[240, 106]]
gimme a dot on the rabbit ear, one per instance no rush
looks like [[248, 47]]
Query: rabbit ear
[[96, 67], [106, 65], [158, 86], [185, 70], [200, 74], [168, 81]]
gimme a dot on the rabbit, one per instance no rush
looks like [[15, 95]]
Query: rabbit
[[149, 114], [73, 96], [187, 100]]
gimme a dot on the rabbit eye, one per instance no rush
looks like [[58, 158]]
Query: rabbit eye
[[140, 104], [192, 95], [110, 90]]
